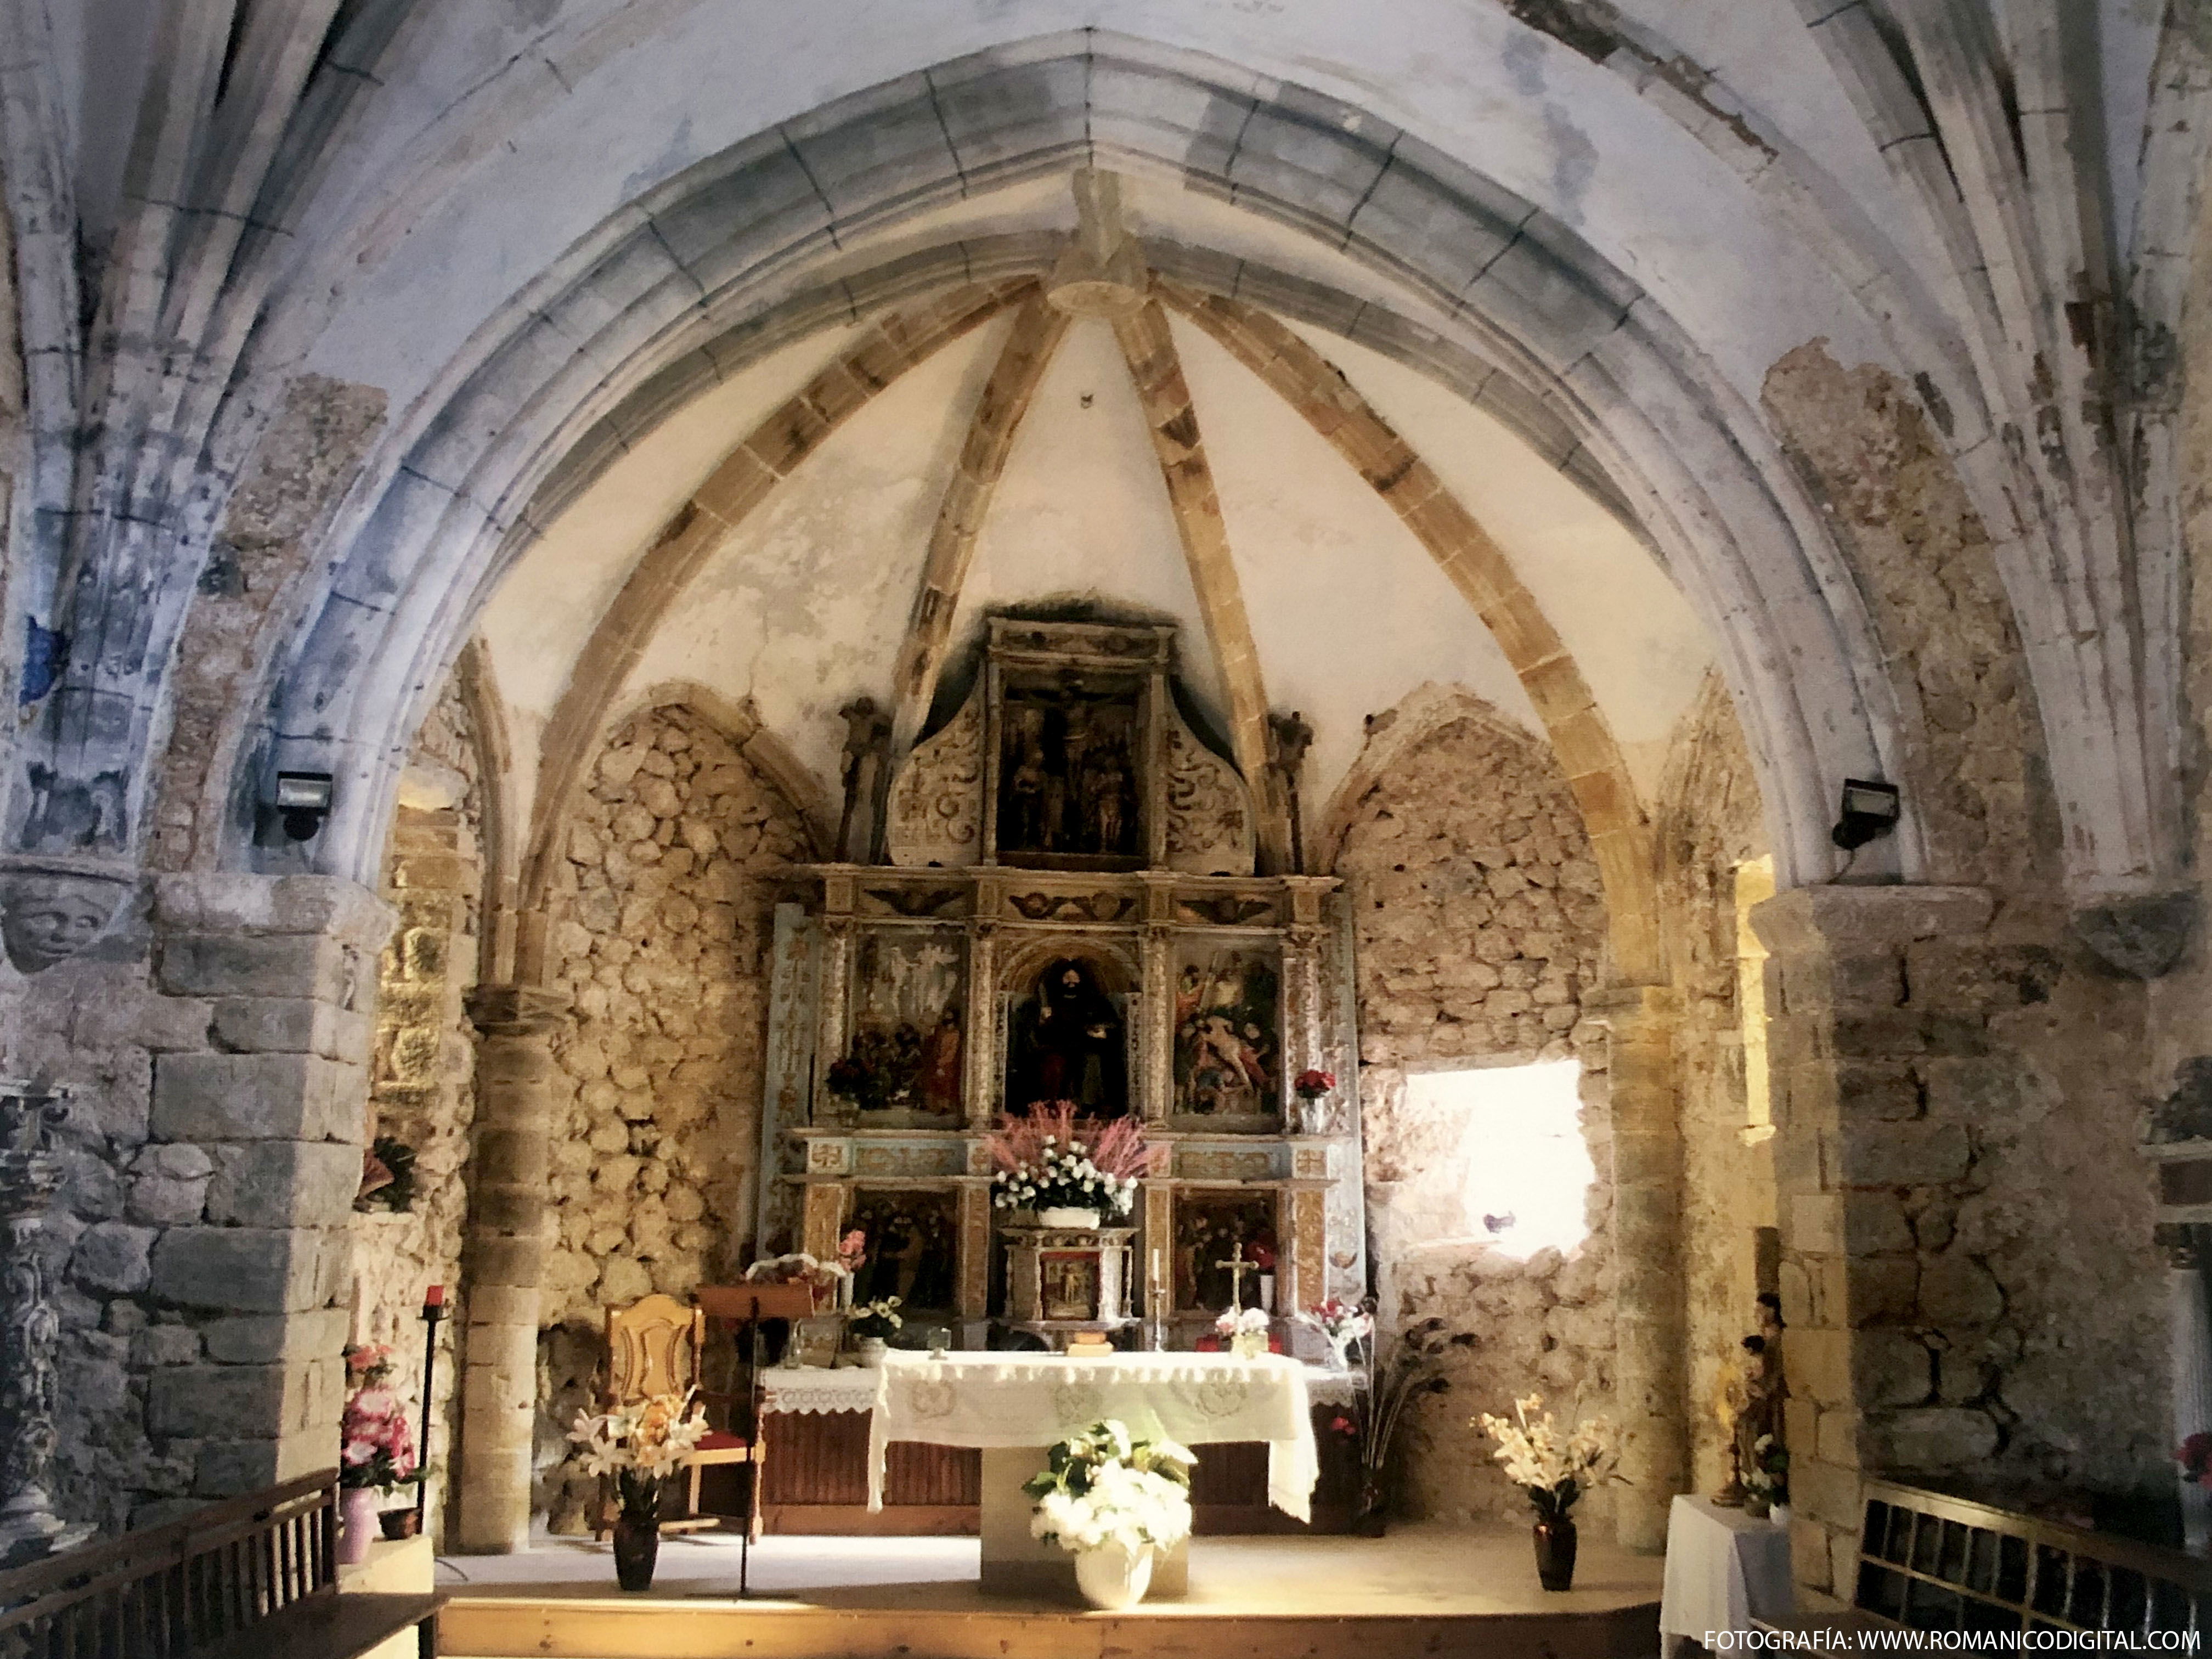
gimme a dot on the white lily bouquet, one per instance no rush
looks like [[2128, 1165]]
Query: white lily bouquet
[[1103, 1489], [1553, 1466], [640, 1445], [1064, 1177]]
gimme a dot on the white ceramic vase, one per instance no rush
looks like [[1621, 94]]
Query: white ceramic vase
[[1114, 1577], [870, 1350], [1068, 1216]]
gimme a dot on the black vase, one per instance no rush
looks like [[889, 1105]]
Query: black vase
[[1371, 1518], [1555, 1554], [637, 1548]]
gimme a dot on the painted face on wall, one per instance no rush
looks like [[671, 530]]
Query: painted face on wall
[[45, 920]]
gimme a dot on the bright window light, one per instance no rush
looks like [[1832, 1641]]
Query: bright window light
[[1526, 1167]]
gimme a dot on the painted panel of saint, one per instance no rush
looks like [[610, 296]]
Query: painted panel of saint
[[1211, 1228], [905, 1055], [912, 1247], [1068, 774], [1227, 1049], [1068, 1042]]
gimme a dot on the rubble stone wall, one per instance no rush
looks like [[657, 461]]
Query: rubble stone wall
[[1480, 921], [660, 930], [422, 1080]]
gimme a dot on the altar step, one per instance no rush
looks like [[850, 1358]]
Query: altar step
[[497, 1628], [1428, 1592]]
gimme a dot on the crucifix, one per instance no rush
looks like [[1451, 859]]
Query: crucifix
[[1237, 1267]]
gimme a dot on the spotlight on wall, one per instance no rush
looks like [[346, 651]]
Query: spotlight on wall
[[1868, 810], [303, 801]]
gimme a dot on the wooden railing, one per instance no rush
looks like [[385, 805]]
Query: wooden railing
[[1932, 1561], [187, 1587]]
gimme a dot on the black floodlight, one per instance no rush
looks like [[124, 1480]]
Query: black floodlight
[[1868, 810], [303, 801]]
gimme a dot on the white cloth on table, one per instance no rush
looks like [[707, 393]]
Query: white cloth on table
[[1724, 1569], [1033, 1399], [801, 1388]]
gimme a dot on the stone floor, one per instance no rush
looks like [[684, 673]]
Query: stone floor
[[1432, 1590]]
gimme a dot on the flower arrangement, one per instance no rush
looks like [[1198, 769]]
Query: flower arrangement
[[1245, 1330], [1052, 1158], [377, 1448], [1413, 1365], [1344, 1324], [878, 1319], [2194, 1456], [1768, 1479], [851, 1251], [1554, 1468], [640, 1445], [1102, 1488], [1313, 1085]]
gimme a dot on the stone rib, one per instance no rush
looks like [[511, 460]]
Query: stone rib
[[1149, 349], [1037, 330], [744, 479], [1620, 836]]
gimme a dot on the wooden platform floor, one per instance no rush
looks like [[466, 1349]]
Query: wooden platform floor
[[1423, 1590]]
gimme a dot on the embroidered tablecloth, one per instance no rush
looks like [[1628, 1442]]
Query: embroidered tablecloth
[[1033, 1399]]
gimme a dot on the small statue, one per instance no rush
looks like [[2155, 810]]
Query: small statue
[[1749, 1406], [1288, 738], [863, 768]]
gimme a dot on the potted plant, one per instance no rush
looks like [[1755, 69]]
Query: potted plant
[[376, 1447], [1245, 1330], [1343, 1325], [1070, 1171], [640, 1445], [1111, 1501], [1554, 1468], [873, 1324]]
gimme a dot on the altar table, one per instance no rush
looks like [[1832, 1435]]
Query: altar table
[[1725, 1570], [1007, 1401]]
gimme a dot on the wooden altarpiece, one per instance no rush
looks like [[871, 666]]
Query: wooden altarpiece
[[1067, 907]]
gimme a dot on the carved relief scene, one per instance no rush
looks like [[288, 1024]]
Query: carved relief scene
[[910, 1249], [1225, 1249]]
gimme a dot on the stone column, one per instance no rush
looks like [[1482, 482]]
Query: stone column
[[285, 970], [30, 1175], [1650, 1377], [1880, 1066], [503, 1264]]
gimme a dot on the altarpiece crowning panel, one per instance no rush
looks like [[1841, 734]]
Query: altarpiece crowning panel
[[1068, 910]]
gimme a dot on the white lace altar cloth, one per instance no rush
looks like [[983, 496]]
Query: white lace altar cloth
[[1033, 1399], [804, 1388]]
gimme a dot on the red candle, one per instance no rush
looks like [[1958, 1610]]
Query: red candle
[[435, 1296]]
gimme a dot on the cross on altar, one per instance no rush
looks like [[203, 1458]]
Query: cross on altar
[[1237, 1267]]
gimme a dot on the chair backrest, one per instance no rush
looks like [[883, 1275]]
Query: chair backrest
[[652, 1347]]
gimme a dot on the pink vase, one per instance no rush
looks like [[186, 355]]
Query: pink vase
[[357, 1524]]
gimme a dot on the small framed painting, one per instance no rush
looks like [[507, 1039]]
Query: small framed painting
[[815, 1341]]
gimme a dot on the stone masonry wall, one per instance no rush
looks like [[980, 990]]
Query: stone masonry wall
[[1479, 922], [216, 1041], [660, 934], [421, 1089], [1710, 825]]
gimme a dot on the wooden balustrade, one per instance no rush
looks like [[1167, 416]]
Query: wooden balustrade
[[254, 1574]]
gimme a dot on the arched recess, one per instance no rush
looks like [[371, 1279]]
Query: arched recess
[[455, 494]]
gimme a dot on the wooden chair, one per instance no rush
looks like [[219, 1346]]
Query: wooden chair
[[654, 1347]]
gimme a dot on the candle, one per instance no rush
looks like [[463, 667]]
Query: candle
[[435, 1296]]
